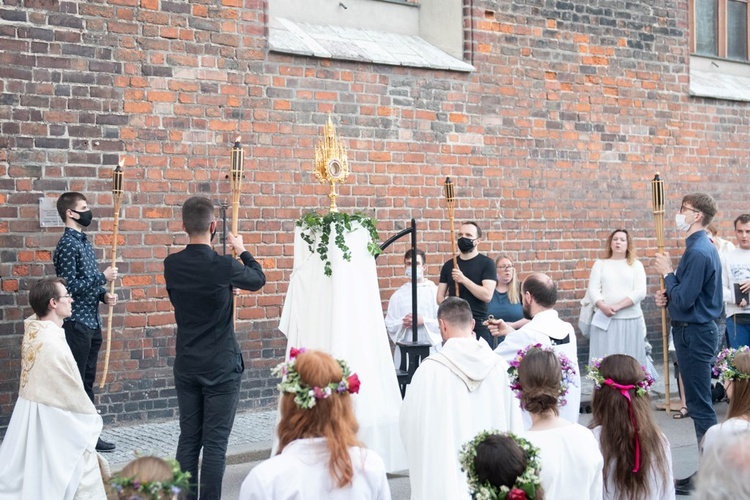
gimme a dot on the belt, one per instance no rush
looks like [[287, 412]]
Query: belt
[[679, 324]]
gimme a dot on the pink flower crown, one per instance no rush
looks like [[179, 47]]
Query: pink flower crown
[[641, 388], [305, 396]]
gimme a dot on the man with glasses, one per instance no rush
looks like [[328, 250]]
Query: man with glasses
[[208, 366], [693, 297], [476, 278], [48, 450]]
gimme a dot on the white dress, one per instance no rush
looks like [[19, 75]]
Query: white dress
[[716, 433], [612, 280], [544, 326], [571, 462], [343, 316], [400, 305], [448, 403], [301, 472], [660, 488], [48, 450]]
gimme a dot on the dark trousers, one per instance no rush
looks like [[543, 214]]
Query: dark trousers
[[84, 343], [483, 332], [695, 345], [206, 419]]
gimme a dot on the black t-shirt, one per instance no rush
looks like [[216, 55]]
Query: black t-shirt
[[477, 269]]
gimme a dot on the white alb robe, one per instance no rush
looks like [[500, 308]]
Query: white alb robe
[[446, 405], [49, 446], [544, 326], [400, 305], [301, 472], [343, 316]]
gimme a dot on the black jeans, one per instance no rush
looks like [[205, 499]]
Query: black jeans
[[206, 419], [84, 343]]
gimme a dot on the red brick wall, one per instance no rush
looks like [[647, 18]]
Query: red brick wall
[[551, 141]]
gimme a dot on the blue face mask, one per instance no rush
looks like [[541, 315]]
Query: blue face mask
[[420, 272]]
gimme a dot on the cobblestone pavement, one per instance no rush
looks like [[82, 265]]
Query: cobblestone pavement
[[250, 439]]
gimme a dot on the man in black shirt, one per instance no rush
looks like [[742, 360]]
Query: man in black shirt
[[476, 277], [208, 366]]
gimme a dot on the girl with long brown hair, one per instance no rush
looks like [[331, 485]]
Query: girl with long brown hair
[[637, 458], [319, 454]]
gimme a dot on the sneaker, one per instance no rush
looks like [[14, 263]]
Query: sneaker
[[102, 445]]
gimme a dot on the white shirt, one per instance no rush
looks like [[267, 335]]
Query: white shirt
[[735, 269], [612, 280], [571, 462], [301, 472], [716, 433], [446, 406], [400, 305], [537, 331], [660, 488]]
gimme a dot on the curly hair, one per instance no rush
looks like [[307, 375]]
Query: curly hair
[[610, 411], [332, 418], [540, 376]]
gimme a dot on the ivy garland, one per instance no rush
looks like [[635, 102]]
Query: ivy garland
[[316, 232]]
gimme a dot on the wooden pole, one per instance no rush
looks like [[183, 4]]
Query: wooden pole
[[450, 199], [117, 201], [235, 180], [657, 200]]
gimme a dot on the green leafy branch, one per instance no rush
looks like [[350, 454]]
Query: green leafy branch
[[316, 232]]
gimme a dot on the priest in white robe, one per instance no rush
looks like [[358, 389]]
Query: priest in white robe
[[454, 395], [48, 450], [539, 296], [398, 319]]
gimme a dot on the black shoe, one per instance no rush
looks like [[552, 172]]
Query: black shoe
[[684, 486], [103, 445]]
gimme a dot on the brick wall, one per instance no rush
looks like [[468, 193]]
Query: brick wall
[[551, 141]]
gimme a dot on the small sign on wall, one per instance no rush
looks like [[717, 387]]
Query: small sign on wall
[[48, 216]]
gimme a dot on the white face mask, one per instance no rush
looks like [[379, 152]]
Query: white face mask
[[420, 272], [681, 223]]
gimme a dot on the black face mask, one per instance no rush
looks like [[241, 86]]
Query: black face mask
[[84, 218], [466, 245]]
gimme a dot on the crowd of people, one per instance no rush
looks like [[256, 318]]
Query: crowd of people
[[492, 412]]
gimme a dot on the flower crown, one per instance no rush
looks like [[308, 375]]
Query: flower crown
[[306, 396], [641, 388], [724, 367], [568, 372], [526, 484], [153, 490]]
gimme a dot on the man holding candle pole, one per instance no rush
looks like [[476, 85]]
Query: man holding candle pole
[[75, 261], [693, 297], [476, 276], [208, 366]]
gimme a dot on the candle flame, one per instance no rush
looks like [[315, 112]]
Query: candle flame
[[239, 137], [121, 162]]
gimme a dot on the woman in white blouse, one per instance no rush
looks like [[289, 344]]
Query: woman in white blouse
[[617, 286], [319, 455]]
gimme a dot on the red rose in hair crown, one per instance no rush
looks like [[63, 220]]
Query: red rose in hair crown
[[353, 381]]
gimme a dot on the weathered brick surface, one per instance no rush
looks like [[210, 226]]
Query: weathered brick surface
[[551, 142]]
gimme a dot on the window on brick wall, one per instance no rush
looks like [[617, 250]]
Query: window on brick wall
[[719, 39], [720, 28], [419, 33]]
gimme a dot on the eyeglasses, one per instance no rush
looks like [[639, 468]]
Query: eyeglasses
[[504, 268], [683, 208], [68, 296]]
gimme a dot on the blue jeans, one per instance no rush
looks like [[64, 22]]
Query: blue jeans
[[695, 345], [738, 334], [206, 419]]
